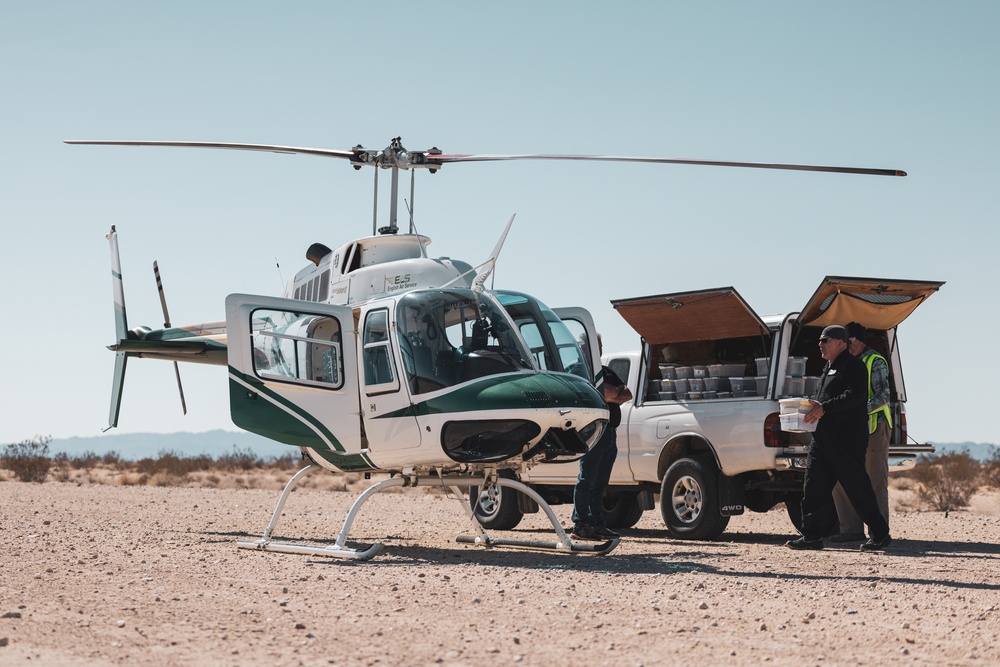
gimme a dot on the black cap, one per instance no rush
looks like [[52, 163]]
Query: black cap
[[855, 330], [835, 331]]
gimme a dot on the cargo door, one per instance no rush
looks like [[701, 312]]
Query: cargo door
[[682, 317], [293, 375], [874, 303]]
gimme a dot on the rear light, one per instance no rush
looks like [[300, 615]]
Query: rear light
[[773, 435], [902, 429]]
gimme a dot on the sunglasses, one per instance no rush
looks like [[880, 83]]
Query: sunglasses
[[824, 341]]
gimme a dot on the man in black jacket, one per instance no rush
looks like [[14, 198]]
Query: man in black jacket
[[837, 449]]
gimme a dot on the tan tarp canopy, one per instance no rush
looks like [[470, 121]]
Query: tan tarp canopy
[[871, 302]]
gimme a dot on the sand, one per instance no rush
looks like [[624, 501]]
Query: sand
[[95, 574]]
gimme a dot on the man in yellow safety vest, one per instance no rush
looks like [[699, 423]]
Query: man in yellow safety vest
[[879, 427]]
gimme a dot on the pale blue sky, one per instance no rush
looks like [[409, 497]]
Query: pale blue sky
[[907, 85]]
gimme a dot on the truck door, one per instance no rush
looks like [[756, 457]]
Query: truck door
[[293, 375]]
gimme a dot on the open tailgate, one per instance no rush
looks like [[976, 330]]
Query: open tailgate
[[711, 314], [874, 303]]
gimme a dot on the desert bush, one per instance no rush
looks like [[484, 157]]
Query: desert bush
[[991, 469], [287, 461], [62, 464], [947, 481], [84, 461], [29, 459], [172, 464], [239, 460], [113, 459]]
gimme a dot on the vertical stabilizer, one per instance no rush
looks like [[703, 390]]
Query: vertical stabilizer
[[121, 329], [116, 389], [121, 324]]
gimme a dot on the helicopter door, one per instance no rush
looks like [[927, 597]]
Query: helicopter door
[[293, 375], [581, 324], [389, 420]]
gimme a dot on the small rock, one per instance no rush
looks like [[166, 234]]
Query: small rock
[[120, 623], [703, 605]]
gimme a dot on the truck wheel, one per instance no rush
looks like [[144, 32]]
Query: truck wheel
[[621, 510], [495, 507], [689, 500]]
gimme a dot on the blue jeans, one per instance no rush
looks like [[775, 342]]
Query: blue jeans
[[595, 472]]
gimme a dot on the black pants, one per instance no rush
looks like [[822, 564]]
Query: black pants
[[826, 466]]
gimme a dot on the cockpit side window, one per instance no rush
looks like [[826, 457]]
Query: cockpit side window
[[552, 344]]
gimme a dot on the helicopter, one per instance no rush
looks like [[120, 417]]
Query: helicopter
[[380, 359]]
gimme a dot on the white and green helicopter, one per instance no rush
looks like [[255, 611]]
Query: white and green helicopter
[[378, 358]]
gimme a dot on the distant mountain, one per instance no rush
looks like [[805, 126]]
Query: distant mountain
[[134, 446], [977, 450]]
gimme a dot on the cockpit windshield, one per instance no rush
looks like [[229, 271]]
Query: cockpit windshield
[[452, 336]]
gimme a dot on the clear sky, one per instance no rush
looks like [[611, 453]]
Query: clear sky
[[908, 85]]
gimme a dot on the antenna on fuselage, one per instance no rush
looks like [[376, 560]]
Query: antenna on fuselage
[[490, 264]]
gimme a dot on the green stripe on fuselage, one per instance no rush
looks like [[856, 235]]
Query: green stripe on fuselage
[[510, 392], [291, 425]]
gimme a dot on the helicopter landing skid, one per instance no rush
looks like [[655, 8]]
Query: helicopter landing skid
[[340, 550], [563, 545], [335, 550]]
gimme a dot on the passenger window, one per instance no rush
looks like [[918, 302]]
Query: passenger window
[[302, 348]]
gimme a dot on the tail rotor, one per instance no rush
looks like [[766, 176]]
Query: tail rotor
[[166, 325]]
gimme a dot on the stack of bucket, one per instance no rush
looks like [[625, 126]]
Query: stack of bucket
[[792, 413]]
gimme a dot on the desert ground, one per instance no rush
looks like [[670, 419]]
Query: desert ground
[[119, 574]]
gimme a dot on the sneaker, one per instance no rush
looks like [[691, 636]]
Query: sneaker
[[607, 534], [876, 545], [585, 532], [802, 543], [848, 537]]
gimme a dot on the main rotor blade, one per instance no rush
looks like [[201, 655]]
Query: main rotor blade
[[458, 157], [397, 156], [322, 152]]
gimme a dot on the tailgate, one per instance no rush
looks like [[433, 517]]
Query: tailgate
[[681, 317], [874, 303]]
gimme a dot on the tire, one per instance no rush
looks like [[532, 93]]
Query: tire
[[621, 510], [497, 510], [689, 500]]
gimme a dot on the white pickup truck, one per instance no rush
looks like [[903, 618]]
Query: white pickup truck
[[713, 448]]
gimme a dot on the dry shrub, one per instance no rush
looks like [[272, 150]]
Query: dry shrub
[[62, 465], [84, 461], [947, 481], [239, 460], [991, 469], [29, 459], [131, 479]]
